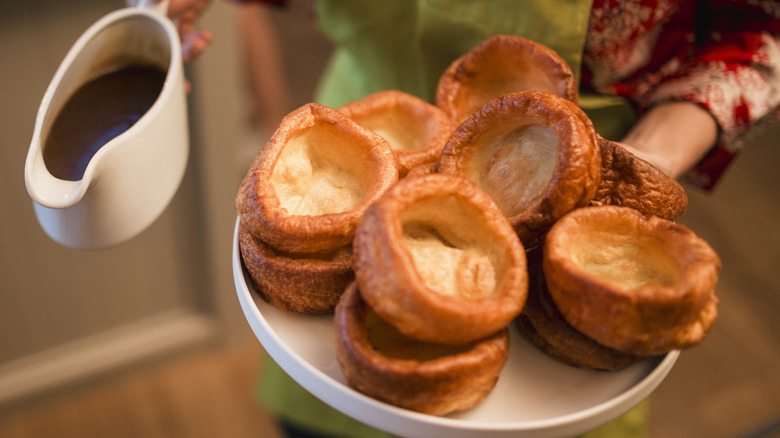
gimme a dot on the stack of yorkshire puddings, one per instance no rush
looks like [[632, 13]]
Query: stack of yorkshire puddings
[[431, 230]]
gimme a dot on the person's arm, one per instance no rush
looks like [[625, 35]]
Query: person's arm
[[263, 65], [673, 136]]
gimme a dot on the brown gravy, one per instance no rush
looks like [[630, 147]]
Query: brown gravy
[[98, 111]]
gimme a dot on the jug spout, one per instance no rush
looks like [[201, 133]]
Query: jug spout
[[48, 190]]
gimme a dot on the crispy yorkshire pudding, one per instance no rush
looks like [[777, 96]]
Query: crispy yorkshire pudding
[[638, 284], [501, 65], [436, 258], [424, 169], [301, 283], [379, 361], [542, 323], [307, 189], [415, 129], [534, 153], [629, 181]]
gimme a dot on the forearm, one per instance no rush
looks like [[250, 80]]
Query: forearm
[[673, 136], [263, 64]]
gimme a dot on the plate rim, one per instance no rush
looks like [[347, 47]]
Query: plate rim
[[323, 386]]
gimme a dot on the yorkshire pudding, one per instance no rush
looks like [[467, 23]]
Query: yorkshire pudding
[[307, 189], [438, 260], [415, 129], [638, 284], [629, 181], [542, 323], [377, 360], [424, 169], [536, 155], [301, 283], [501, 65]]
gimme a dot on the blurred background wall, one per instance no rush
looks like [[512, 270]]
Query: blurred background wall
[[68, 315]]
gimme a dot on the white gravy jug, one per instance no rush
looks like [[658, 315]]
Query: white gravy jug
[[129, 180]]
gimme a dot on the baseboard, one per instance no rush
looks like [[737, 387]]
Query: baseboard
[[50, 370]]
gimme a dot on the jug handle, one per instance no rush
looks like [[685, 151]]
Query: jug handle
[[160, 7]]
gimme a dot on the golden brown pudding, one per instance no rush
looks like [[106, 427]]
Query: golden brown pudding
[[542, 323], [534, 153], [638, 284], [437, 259], [309, 186], [301, 283], [629, 181], [415, 129], [501, 65], [379, 361]]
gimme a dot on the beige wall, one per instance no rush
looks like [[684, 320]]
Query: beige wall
[[66, 314]]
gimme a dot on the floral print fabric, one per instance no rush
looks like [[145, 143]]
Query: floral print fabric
[[721, 54]]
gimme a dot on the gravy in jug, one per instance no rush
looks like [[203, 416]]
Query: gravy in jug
[[101, 109]]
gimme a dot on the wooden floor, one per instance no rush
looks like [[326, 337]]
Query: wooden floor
[[203, 394]]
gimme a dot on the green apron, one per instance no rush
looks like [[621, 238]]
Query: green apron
[[406, 45]]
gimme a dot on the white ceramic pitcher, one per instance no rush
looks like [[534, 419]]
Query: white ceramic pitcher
[[131, 179]]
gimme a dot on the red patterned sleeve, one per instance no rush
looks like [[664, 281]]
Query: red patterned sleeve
[[733, 72], [721, 54]]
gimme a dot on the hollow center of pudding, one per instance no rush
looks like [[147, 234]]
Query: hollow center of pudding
[[402, 129], [628, 260], [516, 166], [454, 252], [391, 343], [318, 172]]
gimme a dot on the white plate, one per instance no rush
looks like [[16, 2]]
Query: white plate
[[536, 396]]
